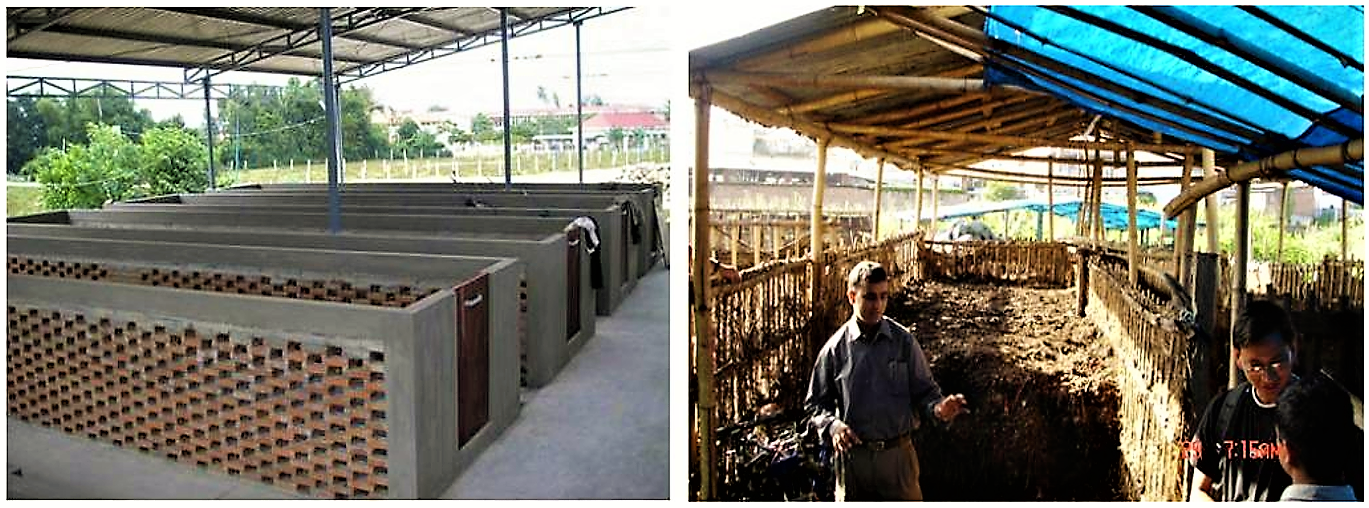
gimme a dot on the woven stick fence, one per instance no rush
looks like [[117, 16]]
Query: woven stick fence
[[1151, 350], [768, 334], [744, 243], [1320, 286], [1039, 264]]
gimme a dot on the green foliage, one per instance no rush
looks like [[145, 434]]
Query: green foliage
[[1001, 191], [173, 160], [1145, 199], [111, 167], [87, 176], [264, 125], [26, 133], [416, 142], [482, 128]]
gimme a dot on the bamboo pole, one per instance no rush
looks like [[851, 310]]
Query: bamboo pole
[[1133, 264], [756, 245], [931, 84], [986, 108], [855, 32], [819, 188], [1238, 268], [944, 104], [775, 243], [988, 154], [847, 128], [1344, 229], [1209, 174], [1269, 168], [810, 129], [1008, 176], [1098, 231], [1002, 123], [734, 242], [936, 202], [1079, 214], [921, 182], [1187, 220], [1050, 199], [879, 193], [703, 335], [1283, 221], [830, 101]]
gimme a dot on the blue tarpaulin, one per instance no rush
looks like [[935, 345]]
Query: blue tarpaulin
[[1114, 216], [1249, 81]]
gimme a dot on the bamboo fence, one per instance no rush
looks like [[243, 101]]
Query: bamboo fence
[[1152, 351], [1039, 264], [1320, 286]]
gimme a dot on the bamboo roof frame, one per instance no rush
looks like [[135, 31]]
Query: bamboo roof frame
[[941, 117]]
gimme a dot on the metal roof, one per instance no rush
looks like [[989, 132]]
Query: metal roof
[[874, 79], [208, 41]]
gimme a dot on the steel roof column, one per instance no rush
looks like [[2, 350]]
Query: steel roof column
[[579, 111], [330, 110], [508, 122], [209, 130]]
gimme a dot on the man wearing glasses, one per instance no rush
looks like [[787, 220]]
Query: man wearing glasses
[[1238, 455], [870, 384]]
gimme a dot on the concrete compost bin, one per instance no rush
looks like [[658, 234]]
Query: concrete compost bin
[[647, 198], [606, 299], [558, 319], [620, 257], [639, 219], [380, 379]]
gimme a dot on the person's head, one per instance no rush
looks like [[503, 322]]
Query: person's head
[[867, 287], [1314, 430], [1263, 340]]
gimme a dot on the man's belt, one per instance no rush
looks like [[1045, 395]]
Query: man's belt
[[880, 445]]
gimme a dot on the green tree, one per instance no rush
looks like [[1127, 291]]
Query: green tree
[[616, 135], [173, 160], [455, 135], [1001, 191], [86, 176], [25, 135]]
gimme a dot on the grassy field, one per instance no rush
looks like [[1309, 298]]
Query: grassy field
[[23, 199], [26, 198], [468, 165]]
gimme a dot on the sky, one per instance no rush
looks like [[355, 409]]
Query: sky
[[626, 60]]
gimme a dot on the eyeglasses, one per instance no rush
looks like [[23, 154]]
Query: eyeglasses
[[1256, 368]]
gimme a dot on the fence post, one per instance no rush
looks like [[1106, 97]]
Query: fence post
[[1083, 276]]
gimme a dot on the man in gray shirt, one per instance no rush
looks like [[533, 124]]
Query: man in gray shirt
[[870, 385]]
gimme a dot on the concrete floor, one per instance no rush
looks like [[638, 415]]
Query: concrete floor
[[600, 430]]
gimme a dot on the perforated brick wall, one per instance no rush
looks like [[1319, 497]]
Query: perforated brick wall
[[223, 282], [306, 418]]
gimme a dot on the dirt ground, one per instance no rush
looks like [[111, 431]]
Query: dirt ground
[[1043, 422]]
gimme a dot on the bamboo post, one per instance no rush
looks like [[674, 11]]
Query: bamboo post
[[734, 242], [1210, 204], [703, 342], [1184, 243], [775, 243], [917, 223], [1344, 229], [1238, 267], [1283, 221], [936, 202], [1084, 194], [1050, 199], [816, 234], [879, 191], [1133, 266], [756, 244], [1099, 234]]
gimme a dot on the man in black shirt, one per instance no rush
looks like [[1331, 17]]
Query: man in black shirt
[[1237, 458]]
